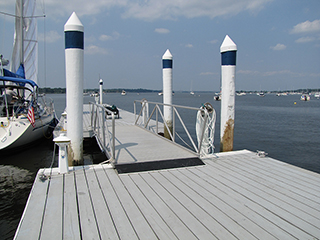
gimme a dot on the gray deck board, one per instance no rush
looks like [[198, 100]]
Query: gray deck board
[[216, 209], [119, 217], [136, 218], [71, 226], [286, 218], [160, 227], [89, 228], [31, 220], [220, 200], [263, 181], [104, 221], [54, 208], [173, 221]]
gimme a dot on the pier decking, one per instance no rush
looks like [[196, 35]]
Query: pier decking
[[234, 195]]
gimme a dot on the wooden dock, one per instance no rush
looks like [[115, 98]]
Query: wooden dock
[[235, 195]]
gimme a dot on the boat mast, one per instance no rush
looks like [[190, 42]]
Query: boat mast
[[22, 35]]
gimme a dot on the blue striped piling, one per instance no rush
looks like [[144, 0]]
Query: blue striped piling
[[101, 90], [228, 52], [167, 64], [74, 47]]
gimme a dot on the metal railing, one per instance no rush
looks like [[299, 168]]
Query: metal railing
[[100, 128], [143, 119]]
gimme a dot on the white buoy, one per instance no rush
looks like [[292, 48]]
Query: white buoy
[[74, 48], [228, 52], [167, 63], [101, 90], [62, 141]]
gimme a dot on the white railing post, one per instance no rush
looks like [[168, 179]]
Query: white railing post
[[113, 137], [62, 141]]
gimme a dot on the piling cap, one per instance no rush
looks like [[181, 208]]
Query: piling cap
[[228, 45], [62, 139], [167, 55], [101, 81], [73, 24]]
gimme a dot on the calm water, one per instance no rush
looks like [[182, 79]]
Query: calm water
[[286, 131]]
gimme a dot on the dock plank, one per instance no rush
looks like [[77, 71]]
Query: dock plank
[[157, 223], [230, 220], [264, 181], [71, 225], [117, 213], [191, 222], [173, 221], [268, 194], [137, 219], [89, 229], [31, 220], [104, 220], [293, 176], [285, 219], [52, 220], [229, 203]]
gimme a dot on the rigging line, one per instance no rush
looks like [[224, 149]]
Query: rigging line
[[16, 16], [44, 53], [4, 28]]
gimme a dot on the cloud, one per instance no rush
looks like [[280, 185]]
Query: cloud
[[93, 50], [162, 30], [49, 37], [307, 27], [213, 41], [248, 72], [172, 9], [114, 36], [150, 10], [278, 47], [277, 73], [189, 45], [305, 39], [207, 73]]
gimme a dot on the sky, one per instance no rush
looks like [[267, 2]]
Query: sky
[[278, 42]]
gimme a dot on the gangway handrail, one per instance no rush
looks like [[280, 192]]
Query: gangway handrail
[[157, 109], [100, 128]]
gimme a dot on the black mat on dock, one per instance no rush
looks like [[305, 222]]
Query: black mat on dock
[[158, 165]]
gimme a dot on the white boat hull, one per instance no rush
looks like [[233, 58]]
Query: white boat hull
[[18, 132]]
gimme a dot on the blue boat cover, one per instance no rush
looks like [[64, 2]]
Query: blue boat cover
[[18, 77]]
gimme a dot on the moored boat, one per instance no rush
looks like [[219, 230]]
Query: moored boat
[[25, 115], [305, 97]]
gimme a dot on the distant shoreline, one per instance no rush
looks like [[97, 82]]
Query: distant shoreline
[[141, 90]]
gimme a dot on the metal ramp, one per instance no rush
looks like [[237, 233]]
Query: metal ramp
[[138, 149]]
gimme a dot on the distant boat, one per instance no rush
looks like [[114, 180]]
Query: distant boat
[[305, 97], [217, 98], [282, 94], [241, 94], [317, 95], [123, 93], [260, 94], [160, 93], [192, 93]]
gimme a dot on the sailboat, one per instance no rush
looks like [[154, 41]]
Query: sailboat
[[25, 115]]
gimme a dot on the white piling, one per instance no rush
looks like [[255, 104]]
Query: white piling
[[167, 63], [101, 90], [228, 52], [74, 48], [62, 141]]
